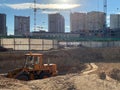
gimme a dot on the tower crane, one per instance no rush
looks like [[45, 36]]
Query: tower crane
[[35, 10], [105, 11]]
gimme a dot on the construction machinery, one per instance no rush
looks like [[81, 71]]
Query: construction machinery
[[33, 68]]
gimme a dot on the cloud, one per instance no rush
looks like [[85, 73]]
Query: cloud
[[108, 17], [19, 6], [49, 12], [42, 6]]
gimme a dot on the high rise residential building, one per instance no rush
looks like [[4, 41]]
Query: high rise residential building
[[3, 28], [21, 26], [95, 21], [78, 22], [91, 21], [115, 21], [56, 23]]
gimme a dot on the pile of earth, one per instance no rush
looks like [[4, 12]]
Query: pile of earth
[[65, 82]]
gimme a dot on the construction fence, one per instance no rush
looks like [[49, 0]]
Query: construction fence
[[28, 44], [94, 44]]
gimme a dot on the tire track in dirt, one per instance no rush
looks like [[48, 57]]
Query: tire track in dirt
[[92, 67]]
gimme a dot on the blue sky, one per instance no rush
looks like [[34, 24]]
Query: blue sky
[[14, 7]]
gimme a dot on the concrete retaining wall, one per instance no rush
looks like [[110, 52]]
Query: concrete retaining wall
[[97, 44], [28, 43]]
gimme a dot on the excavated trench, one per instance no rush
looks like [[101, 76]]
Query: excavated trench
[[66, 62], [75, 61]]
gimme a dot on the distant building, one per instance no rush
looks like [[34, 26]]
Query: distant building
[[49, 35], [115, 25], [88, 24], [95, 21], [21, 26], [3, 28], [78, 22], [56, 23], [115, 21]]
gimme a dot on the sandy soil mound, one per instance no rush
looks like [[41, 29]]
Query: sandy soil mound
[[68, 61], [65, 82], [12, 84], [74, 82]]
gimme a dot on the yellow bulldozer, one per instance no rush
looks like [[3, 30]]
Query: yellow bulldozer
[[33, 68]]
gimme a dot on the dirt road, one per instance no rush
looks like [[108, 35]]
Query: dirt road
[[93, 68]]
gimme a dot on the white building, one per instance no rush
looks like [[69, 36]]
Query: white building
[[21, 26], [114, 21], [95, 21], [56, 23], [78, 22], [84, 22]]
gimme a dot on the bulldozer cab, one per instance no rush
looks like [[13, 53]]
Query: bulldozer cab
[[33, 61]]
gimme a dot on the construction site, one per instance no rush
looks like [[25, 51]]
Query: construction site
[[78, 69], [61, 61]]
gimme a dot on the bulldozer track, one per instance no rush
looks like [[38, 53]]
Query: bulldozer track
[[91, 68]]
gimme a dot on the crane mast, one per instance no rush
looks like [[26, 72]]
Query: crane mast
[[105, 11], [35, 10]]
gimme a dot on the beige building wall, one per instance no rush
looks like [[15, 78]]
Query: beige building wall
[[21, 41], [47, 44], [36, 41], [115, 21], [87, 21], [95, 20], [7, 41], [28, 44], [56, 23], [36, 47], [21, 47], [55, 44], [78, 22]]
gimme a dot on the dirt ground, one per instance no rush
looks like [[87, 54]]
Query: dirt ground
[[107, 67], [65, 82], [71, 63]]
